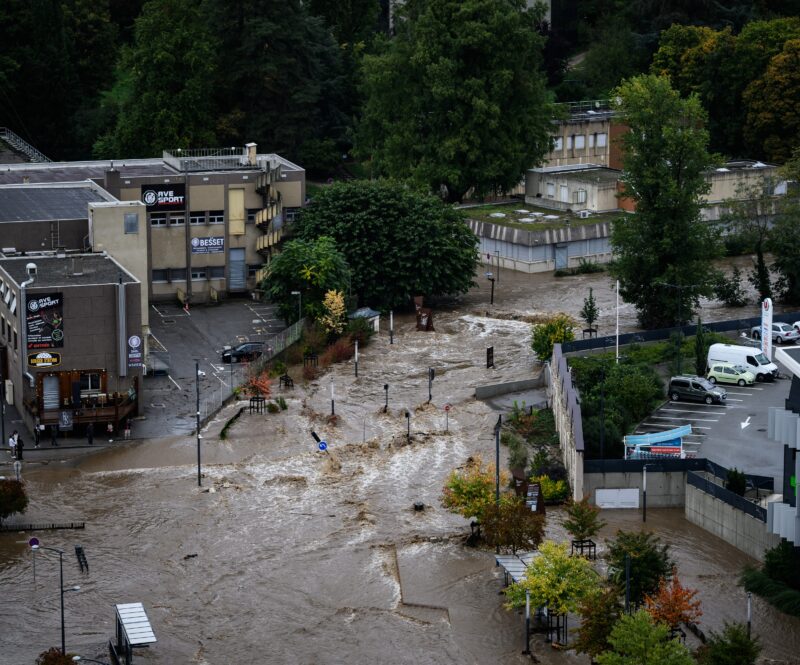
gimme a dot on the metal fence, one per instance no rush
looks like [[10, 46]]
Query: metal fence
[[609, 341], [213, 400], [732, 499]]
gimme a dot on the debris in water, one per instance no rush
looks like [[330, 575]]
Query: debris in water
[[419, 506]]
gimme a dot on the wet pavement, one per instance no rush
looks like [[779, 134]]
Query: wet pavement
[[289, 555]]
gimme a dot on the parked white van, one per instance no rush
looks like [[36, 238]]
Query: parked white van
[[748, 357]]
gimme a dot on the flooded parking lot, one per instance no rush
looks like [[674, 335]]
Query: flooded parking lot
[[289, 555]]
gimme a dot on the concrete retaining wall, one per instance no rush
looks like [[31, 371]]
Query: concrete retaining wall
[[664, 489], [741, 530], [495, 389], [565, 426]]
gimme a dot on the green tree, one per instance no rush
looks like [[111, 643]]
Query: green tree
[[636, 640], [416, 245], [280, 80], [470, 490], [555, 330], [311, 267], [730, 647], [665, 244], [773, 121], [649, 563], [599, 614], [555, 580], [511, 525], [589, 312], [169, 75], [456, 100], [583, 519], [784, 238], [700, 349], [13, 498]]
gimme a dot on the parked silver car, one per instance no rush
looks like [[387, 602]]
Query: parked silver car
[[781, 332]]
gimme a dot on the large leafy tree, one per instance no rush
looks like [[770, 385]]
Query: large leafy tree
[[649, 563], [784, 239], [637, 640], [512, 525], [398, 242], [281, 83], [169, 73], [599, 614], [456, 100], [673, 603], [664, 251], [13, 498], [470, 490], [310, 267], [555, 580]]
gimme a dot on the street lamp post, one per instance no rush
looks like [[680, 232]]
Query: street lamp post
[[644, 492], [197, 423], [299, 304], [386, 390], [61, 588], [490, 277], [497, 465]]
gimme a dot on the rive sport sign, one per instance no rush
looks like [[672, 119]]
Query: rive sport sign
[[164, 198], [44, 320], [208, 245]]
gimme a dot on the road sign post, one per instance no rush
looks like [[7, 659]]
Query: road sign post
[[447, 408]]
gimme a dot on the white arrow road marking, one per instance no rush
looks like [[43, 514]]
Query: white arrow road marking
[[745, 423]]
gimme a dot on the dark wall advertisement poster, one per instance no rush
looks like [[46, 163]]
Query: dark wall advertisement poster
[[45, 321], [164, 198]]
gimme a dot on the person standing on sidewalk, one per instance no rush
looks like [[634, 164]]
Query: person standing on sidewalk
[[127, 433], [90, 434], [36, 434], [12, 443], [20, 446], [110, 432], [53, 435]]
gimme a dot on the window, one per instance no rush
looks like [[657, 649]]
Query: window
[[591, 140], [158, 219], [216, 217], [177, 220], [551, 190], [252, 269], [580, 142], [177, 274], [290, 214], [197, 217], [580, 196], [216, 272], [601, 140], [15, 340], [198, 273], [160, 275], [564, 194], [251, 215], [90, 383], [569, 143], [131, 222], [3, 325], [558, 144]]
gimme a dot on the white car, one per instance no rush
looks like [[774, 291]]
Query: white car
[[781, 332]]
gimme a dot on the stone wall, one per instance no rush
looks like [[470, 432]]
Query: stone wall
[[567, 414]]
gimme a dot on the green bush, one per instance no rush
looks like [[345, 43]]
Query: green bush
[[360, 329], [782, 563], [556, 330], [272, 407], [517, 454], [776, 593], [736, 482], [554, 491], [278, 369], [282, 403]]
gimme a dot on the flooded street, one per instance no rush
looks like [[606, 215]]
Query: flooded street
[[289, 555]]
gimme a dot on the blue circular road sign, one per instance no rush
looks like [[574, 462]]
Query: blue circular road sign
[[33, 541], [323, 446]]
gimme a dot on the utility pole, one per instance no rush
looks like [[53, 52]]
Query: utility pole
[[197, 390]]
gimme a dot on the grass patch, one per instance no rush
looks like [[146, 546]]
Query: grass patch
[[224, 433]]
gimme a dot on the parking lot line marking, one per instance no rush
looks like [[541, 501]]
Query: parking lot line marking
[[174, 381], [734, 392], [736, 400], [689, 411], [700, 420], [159, 341]]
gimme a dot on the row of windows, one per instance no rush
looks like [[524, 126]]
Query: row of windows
[[8, 332], [580, 195], [578, 141], [208, 272], [195, 218]]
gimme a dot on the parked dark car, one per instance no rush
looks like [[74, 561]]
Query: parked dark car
[[696, 389], [244, 352]]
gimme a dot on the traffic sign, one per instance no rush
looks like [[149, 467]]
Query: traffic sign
[[323, 446], [447, 407], [33, 542]]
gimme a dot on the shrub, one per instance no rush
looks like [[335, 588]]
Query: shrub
[[518, 455], [729, 289], [272, 407], [341, 350], [649, 563], [282, 403], [314, 339], [583, 519], [585, 267], [53, 656], [554, 491], [731, 647], [13, 498], [310, 373], [782, 563], [278, 369], [333, 319], [360, 329], [555, 330], [471, 488], [511, 525], [736, 482]]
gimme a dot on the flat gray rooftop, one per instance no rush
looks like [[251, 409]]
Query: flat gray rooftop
[[35, 203], [53, 271]]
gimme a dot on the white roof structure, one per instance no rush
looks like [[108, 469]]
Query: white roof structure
[[135, 624]]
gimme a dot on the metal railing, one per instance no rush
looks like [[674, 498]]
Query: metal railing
[[20, 144], [207, 159], [238, 375], [731, 498]]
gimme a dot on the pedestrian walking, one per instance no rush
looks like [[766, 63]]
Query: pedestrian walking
[[53, 435], [36, 434], [110, 432], [90, 434], [12, 443], [20, 446], [127, 434]]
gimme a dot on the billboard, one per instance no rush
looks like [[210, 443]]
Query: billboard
[[766, 328], [135, 351], [208, 245], [164, 198], [44, 321]]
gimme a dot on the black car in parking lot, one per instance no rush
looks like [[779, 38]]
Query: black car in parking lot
[[695, 389], [246, 351]]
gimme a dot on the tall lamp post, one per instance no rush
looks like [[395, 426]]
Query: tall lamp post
[[197, 415], [299, 304], [61, 588], [497, 465], [644, 492], [490, 277]]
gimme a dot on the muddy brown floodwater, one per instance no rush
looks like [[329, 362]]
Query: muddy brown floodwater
[[289, 555]]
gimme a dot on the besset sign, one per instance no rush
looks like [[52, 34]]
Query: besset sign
[[164, 197], [208, 245]]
